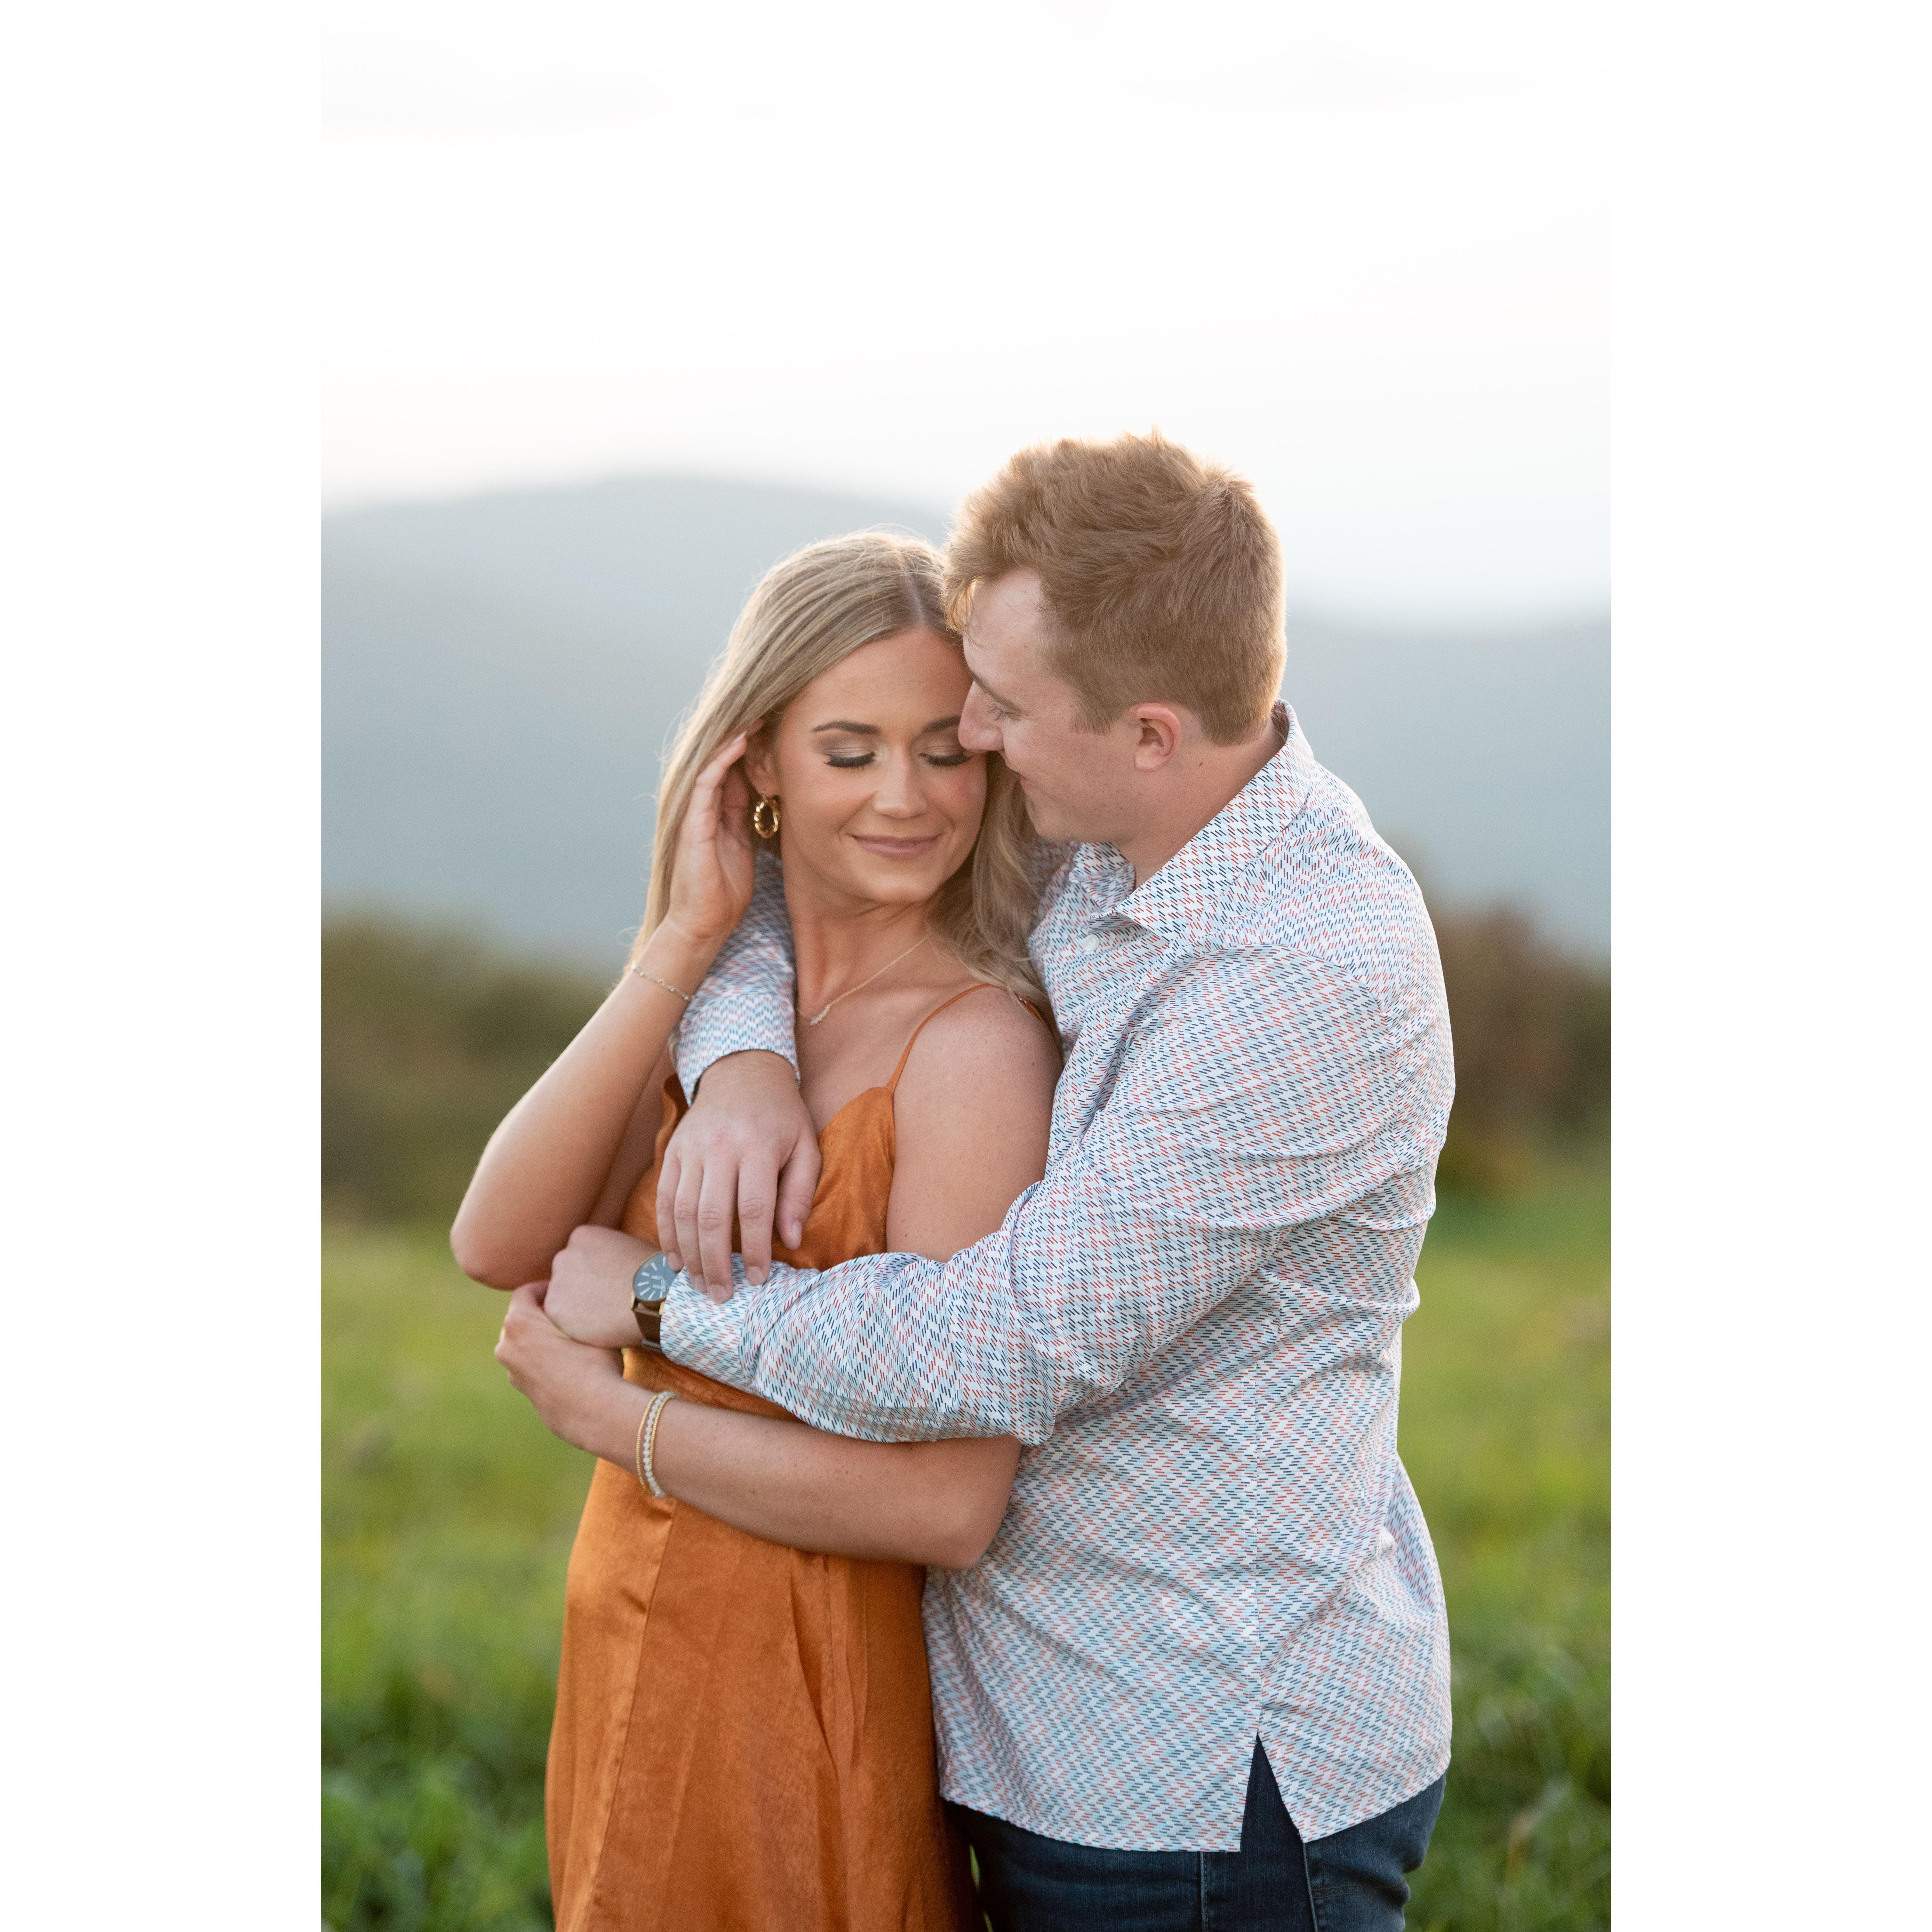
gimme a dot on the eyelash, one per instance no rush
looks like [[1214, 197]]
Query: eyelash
[[855, 764]]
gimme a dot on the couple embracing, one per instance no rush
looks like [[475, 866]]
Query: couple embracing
[[1003, 1167]]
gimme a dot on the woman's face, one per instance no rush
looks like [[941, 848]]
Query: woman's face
[[877, 797]]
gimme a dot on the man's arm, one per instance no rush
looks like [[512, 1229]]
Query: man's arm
[[745, 1003], [746, 1150], [1269, 1095]]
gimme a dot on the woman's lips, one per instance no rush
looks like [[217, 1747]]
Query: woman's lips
[[898, 848]]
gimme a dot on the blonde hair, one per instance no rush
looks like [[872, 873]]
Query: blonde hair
[[1160, 573], [809, 613]]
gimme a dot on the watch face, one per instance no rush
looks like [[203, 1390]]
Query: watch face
[[652, 1282]]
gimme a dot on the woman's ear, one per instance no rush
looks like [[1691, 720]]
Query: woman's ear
[[760, 767]]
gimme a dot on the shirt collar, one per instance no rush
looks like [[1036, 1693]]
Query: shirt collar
[[1178, 901]]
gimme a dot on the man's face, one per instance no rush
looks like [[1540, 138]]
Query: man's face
[[1079, 785]]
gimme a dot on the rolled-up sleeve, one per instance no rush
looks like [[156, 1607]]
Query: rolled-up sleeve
[[746, 1002]]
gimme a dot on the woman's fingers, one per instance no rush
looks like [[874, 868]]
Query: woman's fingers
[[513, 1341], [727, 755], [701, 821], [711, 883]]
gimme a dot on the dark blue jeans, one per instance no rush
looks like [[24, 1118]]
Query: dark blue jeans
[[1354, 1881]]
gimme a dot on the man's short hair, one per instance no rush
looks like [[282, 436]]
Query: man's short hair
[[1161, 576]]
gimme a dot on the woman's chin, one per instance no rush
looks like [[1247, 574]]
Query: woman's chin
[[889, 884], [890, 888], [884, 880]]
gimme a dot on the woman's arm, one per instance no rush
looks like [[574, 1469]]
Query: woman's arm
[[554, 1162], [920, 1502], [911, 1502]]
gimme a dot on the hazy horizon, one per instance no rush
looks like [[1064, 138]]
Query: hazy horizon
[[501, 669]]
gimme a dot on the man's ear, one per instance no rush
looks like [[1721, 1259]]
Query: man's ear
[[1158, 731]]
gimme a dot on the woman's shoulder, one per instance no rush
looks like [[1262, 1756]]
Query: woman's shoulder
[[973, 1117], [985, 1040]]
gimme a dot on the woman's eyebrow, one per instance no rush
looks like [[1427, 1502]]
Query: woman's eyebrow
[[872, 730]]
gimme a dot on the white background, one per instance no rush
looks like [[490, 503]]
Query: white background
[[169, 307]]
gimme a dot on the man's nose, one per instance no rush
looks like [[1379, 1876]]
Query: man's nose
[[977, 730]]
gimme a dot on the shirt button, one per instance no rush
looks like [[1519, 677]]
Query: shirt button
[[1089, 942]]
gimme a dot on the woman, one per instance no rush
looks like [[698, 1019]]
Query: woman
[[743, 1734]]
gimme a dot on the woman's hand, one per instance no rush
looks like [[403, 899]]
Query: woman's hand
[[589, 1293], [714, 863], [579, 1392]]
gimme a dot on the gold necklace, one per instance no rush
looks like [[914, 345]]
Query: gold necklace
[[865, 982]]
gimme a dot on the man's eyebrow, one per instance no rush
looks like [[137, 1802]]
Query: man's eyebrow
[[1004, 704]]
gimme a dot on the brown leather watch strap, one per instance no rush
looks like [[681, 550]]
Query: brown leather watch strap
[[650, 1315]]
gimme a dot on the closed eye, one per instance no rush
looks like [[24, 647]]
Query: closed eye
[[858, 760]]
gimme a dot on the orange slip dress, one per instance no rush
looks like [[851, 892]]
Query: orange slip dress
[[744, 1731]]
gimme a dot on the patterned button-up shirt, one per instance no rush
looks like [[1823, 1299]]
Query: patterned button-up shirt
[[1192, 1323]]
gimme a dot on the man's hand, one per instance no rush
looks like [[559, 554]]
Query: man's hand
[[589, 1295], [747, 1146], [579, 1392]]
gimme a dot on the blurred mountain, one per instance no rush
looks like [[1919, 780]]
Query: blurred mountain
[[501, 673]]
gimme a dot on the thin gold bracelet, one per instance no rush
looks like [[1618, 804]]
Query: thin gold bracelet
[[647, 1441], [664, 983]]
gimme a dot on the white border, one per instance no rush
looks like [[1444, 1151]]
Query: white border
[[159, 614], [1772, 520]]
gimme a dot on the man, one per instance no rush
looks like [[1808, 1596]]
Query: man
[[1201, 1675]]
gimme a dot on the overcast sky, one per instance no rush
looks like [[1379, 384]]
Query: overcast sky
[[1359, 251]]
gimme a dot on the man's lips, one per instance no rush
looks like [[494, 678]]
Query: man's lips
[[898, 848]]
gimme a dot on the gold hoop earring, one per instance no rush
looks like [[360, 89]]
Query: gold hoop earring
[[767, 808]]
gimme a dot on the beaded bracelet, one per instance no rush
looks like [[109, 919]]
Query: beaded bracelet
[[647, 1441]]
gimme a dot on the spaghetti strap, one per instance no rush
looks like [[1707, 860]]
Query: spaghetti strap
[[977, 986]]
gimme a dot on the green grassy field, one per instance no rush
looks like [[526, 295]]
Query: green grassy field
[[449, 1511]]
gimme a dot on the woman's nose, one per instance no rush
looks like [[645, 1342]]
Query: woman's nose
[[900, 794]]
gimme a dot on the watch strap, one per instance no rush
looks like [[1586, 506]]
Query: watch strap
[[649, 1286]]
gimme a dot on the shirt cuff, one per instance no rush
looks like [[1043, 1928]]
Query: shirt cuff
[[728, 1021], [697, 1332]]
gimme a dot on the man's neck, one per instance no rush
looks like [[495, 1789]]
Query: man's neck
[[1217, 775]]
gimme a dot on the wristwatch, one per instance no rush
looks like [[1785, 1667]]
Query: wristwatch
[[648, 1287]]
